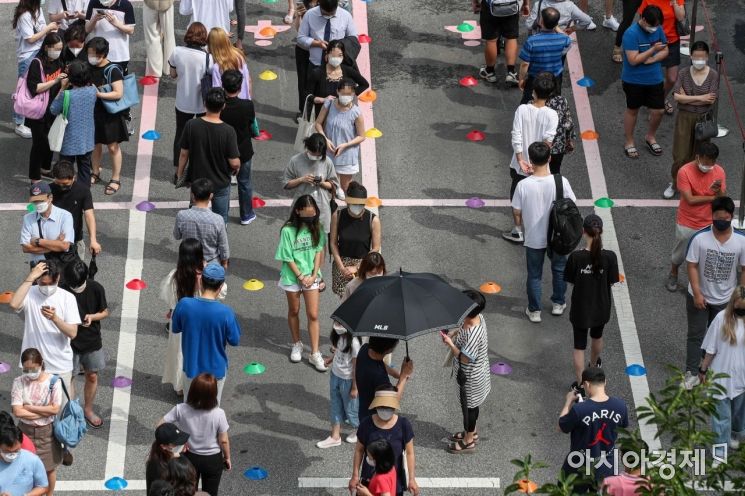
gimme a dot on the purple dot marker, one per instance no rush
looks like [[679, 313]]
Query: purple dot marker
[[4, 368], [145, 206], [475, 202], [500, 368], [121, 382]]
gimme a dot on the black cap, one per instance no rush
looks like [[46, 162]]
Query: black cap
[[594, 222], [170, 434]]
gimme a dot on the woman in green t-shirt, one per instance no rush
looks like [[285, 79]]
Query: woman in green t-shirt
[[300, 250]]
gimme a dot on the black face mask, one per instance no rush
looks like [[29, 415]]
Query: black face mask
[[722, 225], [64, 188], [740, 312], [308, 220]]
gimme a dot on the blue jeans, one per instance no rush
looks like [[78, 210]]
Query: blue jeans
[[22, 68], [534, 258], [342, 406], [731, 418], [245, 191], [221, 202]]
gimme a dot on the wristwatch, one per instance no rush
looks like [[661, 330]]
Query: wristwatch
[[37, 242]]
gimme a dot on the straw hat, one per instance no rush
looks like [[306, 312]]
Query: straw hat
[[387, 399]]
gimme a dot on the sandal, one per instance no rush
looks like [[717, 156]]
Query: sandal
[[617, 56], [654, 148], [93, 425], [459, 436], [289, 17], [110, 190], [631, 152], [95, 178], [461, 448], [669, 109]]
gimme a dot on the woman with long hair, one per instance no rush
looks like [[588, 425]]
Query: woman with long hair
[[372, 265], [592, 271], [227, 56], [300, 250], [168, 444]]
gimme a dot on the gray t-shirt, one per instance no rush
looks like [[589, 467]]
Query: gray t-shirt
[[299, 166], [203, 427]]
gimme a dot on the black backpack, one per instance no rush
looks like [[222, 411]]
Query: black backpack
[[565, 223]]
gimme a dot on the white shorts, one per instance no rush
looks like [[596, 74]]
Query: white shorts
[[295, 288], [347, 169]]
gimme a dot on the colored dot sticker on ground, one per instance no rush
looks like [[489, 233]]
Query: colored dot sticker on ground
[[465, 27], [264, 135], [373, 202], [268, 75], [145, 206], [500, 368], [268, 31], [31, 207], [373, 132], [475, 202], [257, 202], [254, 368], [148, 80], [490, 287], [368, 96], [586, 82], [256, 473], [363, 38], [636, 370], [116, 484], [468, 81], [589, 135], [527, 486], [4, 368], [6, 296], [604, 202], [621, 278], [151, 135], [136, 284], [270, 1], [475, 135], [121, 382], [253, 285]]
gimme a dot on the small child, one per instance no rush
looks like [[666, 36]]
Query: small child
[[342, 385], [383, 482]]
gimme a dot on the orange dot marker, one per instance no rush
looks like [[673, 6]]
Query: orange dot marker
[[368, 96], [526, 486], [373, 202], [268, 31], [490, 287], [589, 135], [6, 296], [621, 278]]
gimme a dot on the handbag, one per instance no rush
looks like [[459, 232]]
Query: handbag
[[706, 128], [70, 426], [56, 133], [306, 125], [26, 104], [130, 96], [206, 82]]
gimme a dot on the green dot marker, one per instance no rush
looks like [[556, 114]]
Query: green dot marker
[[254, 368], [270, 1], [604, 202], [31, 207], [465, 27]]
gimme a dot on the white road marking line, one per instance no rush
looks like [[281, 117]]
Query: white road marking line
[[69, 486], [425, 482]]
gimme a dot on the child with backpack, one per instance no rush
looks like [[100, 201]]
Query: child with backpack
[[383, 482]]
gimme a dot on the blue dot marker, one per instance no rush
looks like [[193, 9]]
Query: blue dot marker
[[116, 484], [151, 135], [256, 473], [636, 370], [586, 82]]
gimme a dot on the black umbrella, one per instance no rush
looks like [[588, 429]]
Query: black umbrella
[[403, 306]]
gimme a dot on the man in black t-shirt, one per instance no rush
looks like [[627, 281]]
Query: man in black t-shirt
[[370, 372], [71, 195], [211, 148], [87, 346]]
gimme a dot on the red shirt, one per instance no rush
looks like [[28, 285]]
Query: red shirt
[[28, 444], [668, 17], [698, 183], [383, 483]]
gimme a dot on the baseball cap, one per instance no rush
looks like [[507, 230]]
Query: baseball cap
[[214, 272], [170, 434], [39, 191], [593, 221]]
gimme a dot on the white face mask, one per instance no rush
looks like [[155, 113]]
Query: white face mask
[[108, 3], [41, 207], [177, 449], [94, 61], [385, 413], [705, 168], [32, 376], [54, 54], [345, 99], [369, 460], [335, 61], [76, 51], [698, 64], [9, 457], [80, 288], [651, 29], [48, 290], [312, 157], [356, 210], [370, 276]]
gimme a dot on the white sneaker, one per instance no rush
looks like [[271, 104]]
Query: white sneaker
[[511, 78], [329, 442], [557, 309], [316, 359], [691, 380], [592, 26], [610, 23], [297, 352], [514, 236], [534, 317], [669, 191], [352, 438], [23, 131]]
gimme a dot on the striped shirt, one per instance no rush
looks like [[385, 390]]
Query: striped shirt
[[206, 226], [473, 343], [690, 88], [545, 51]]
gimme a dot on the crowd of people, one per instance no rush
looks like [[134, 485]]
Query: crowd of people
[[73, 58]]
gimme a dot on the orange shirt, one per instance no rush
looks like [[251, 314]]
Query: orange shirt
[[668, 17], [698, 183]]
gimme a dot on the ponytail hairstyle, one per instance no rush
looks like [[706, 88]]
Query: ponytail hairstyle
[[593, 227]]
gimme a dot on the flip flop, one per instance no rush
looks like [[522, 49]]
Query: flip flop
[[110, 189], [631, 152], [461, 448], [92, 425], [459, 436], [95, 178], [617, 57], [654, 148]]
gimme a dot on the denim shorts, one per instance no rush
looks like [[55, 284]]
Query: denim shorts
[[342, 406], [93, 361]]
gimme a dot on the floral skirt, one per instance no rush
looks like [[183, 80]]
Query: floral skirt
[[339, 282]]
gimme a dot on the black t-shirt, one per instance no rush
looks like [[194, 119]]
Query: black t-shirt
[[98, 78], [239, 114], [69, 57], [210, 147], [591, 296], [397, 436], [52, 68], [91, 300], [369, 374], [75, 200]]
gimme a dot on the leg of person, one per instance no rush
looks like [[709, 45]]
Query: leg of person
[[221, 202], [35, 156], [629, 119], [115, 152], [555, 164], [558, 263], [169, 37], [671, 64], [683, 142], [240, 14], [596, 348], [609, 21], [311, 298], [344, 180], [220, 387], [655, 102], [96, 158], [629, 12], [473, 417], [181, 119], [489, 35], [738, 418], [187, 385], [52, 481], [153, 47], [527, 90], [578, 355], [337, 407], [293, 322], [721, 422], [93, 363], [697, 325], [583, 5], [84, 168], [677, 257], [510, 32], [211, 469], [290, 12], [351, 409], [302, 59], [534, 260]]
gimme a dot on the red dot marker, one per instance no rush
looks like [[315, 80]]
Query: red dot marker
[[264, 135], [468, 81], [476, 136], [136, 284], [148, 80], [364, 38], [257, 202]]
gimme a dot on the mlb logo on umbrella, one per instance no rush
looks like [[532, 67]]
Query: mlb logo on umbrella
[[380, 327]]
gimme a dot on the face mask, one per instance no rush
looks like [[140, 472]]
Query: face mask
[[54, 54], [370, 276], [369, 461], [722, 225], [335, 61], [740, 312], [650, 29], [307, 220], [32, 376], [356, 210], [80, 288], [48, 290], [312, 157], [10, 457], [705, 168], [76, 51], [328, 16], [108, 3], [698, 64], [340, 330], [41, 207], [177, 449], [345, 99], [385, 413], [94, 61]]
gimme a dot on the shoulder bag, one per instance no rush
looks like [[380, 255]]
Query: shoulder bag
[[206, 81], [26, 104], [306, 124], [706, 127], [56, 133], [70, 425], [130, 96]]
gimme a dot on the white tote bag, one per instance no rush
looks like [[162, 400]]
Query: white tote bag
[[306, 126], [57, 131]]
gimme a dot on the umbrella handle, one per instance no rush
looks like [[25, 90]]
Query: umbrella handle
[[407, 350]]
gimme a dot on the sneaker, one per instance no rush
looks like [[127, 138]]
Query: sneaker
[[514, 236], [733, 443], [691, 380], [352, 438], [610, 23], [491, 77], [246, 221], [316, 359], [598, 363], [297, 352], [672, 283], [669, 191], [23, 131], [329, 442], [511, 79], [592, 26], [558, 309], [534, 317]]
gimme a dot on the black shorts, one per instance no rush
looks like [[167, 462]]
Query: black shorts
[[673, 55], [580, 336], [498, 27], [651, 96]]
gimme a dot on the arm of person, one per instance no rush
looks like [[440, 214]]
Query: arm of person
[[359, 79], [517, 216], [223, 247], [304, 38], [43, 411], [635, 57], [567, 418], [185, 8], [90, 223], [462, 356], [95, 317], [182, 159], [317, 261], [693, 278], [705, 364], [359, 453], [377, 235], [523, 71], [411, 468], [679, 9], [333, 234], [580, 18], [38, 491], [320, 120], [530, 20], [235, 164], [407, 368], [22, 412], [353, 393], [126, 26], [69, 330], [93, 18], [359, 127], [18, 301], [55, 245], [692, 199], [117, 91], [48, 28], [224, 441]]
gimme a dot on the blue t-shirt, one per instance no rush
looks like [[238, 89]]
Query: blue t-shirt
[[639, 40], [594, 425], [23, 475], [398, 436], [545, 51], [206, 327]]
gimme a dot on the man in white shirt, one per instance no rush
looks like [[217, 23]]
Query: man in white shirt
[[211, 13], [322, 24], [533, 122], [51, 318], [531, 209], [65, 12], [714, 256]]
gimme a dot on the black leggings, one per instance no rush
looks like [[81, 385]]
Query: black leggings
[[580, 336], [240, 14], [629, 11], [470, 415], [40, 156], [555, 164], [302, 61], [209, 468]]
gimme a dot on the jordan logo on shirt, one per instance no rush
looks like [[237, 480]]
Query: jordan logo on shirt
[[600, 437]]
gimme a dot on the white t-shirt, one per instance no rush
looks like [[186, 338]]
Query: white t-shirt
[[534, 197], [729, 359], [717, 264], [203, 427], [118, 41], [211, 13], [26, 28], [55, 7], [41, 333], [342, 364], [531, 124], [190, 67]]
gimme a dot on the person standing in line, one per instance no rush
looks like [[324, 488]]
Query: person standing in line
[[379, 455], [74, 38], [531, 208], [568, 11], [302, 55], [15, 460], [566, 134], [644, 49], [160, 39], [500, 19], [66, 15], [609, 21], [227, 57], [323, 82], [629, 13], [696, 91], [372, 265], [371, 372], [168, 444], [200, 223], [207, 327], [240, 114], [47, 232], [322, 24], [533, 122], [715, 255], [211, 13], [211, 148], [592, 271], [700, 183], [469, 357]]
